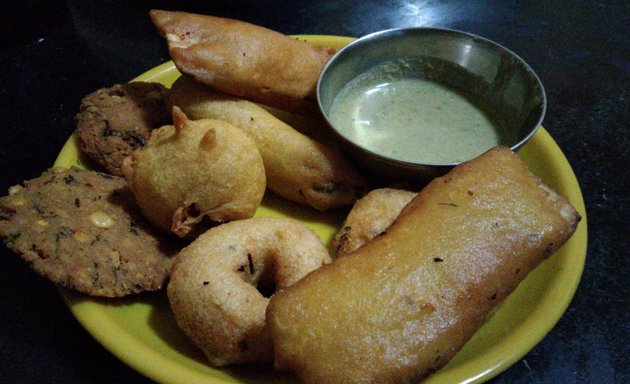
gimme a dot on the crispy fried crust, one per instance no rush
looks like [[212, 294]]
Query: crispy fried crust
[[402, 305], [213, 288], [297, 167], [82, 230], [243, 59], [196, 170], [115, 121], [369, 217]]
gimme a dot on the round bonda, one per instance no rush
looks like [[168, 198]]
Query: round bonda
[[195, 173], [216, 283]]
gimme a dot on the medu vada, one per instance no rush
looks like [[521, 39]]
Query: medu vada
[[216, 284]]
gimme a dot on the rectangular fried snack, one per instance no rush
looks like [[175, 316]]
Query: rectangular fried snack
[[244, 60], [402, 305]]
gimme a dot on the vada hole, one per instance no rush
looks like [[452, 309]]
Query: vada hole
[[266, 285], [260, 275]]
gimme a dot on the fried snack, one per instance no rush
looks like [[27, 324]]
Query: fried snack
[[402, 305], [115, 121], [245, 60], [369, 217], [196, 170], [82, 230], [213, 288], [297, 167]]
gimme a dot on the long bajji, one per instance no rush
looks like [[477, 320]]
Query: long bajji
[[297, 167], [244, 60]]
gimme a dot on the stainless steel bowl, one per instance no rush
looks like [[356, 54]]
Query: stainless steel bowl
[[456, 59]]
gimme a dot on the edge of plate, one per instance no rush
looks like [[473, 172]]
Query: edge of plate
[[536, 326], [92, 320]]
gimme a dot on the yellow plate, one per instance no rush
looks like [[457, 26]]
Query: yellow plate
[[141, 330]]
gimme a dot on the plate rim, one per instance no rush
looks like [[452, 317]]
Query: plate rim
[[170, 371]]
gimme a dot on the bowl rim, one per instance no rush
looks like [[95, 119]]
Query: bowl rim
[[430, 30]]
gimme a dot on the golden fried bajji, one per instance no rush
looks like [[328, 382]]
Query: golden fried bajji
[[403, 304], [245, 60], [196, 170], [297, 167], [370, 216]]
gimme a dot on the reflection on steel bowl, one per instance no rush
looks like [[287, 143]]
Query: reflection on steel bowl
[[412, 103]]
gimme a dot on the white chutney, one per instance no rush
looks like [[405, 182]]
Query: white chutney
[[413, 119]]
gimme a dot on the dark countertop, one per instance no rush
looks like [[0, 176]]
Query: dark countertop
[[580, 49]]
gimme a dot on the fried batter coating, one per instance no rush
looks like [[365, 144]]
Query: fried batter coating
[[213, 288], [402, 305], [195, 170], [297, 167], [369, 217], [245, 60]]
